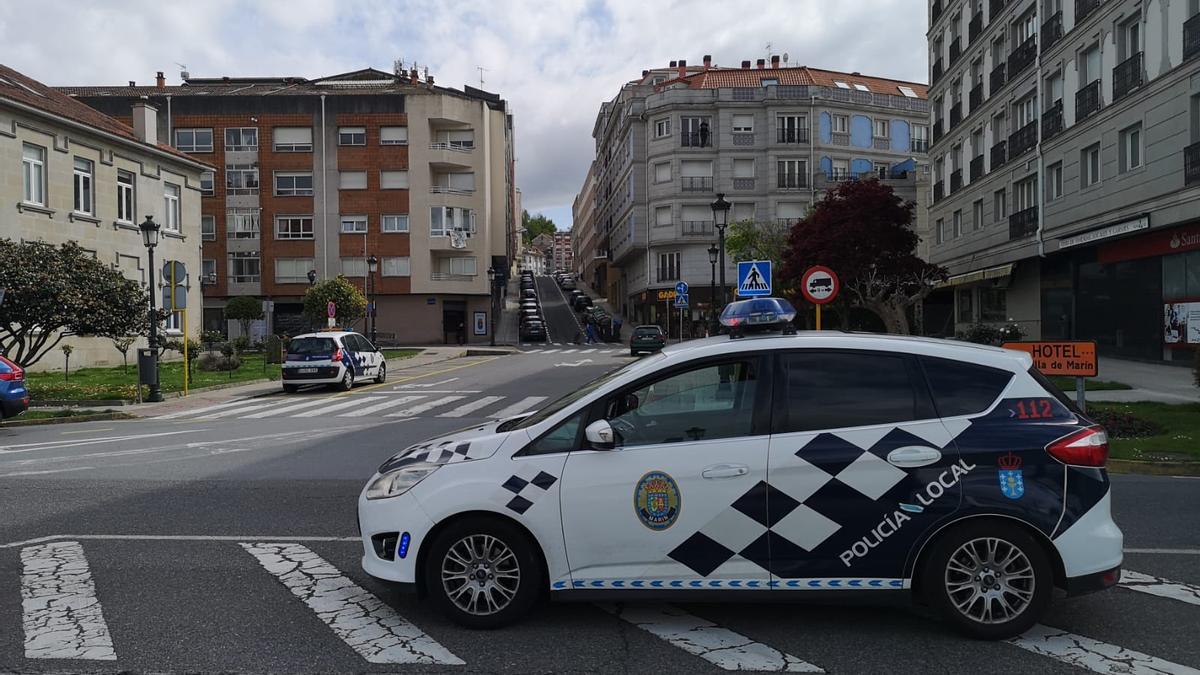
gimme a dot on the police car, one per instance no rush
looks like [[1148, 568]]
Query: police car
[[335, 358], [763, 466]]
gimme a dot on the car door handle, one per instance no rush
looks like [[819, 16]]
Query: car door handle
[[913, 456], [725, 471]]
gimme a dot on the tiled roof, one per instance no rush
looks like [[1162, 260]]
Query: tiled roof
[[715, 78], [17, 87]]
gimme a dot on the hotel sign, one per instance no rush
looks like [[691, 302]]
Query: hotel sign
[[1105, 232]]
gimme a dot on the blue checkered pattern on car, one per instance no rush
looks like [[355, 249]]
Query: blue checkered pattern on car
[[848, 583]]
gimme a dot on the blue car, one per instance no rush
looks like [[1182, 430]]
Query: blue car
[[14, 397]]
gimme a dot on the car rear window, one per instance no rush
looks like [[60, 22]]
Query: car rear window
[[647, 332], [963, 388], [1054, 391], [312, 345]]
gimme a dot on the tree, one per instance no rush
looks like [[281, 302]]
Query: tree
[[351, 303], [863, 231], [123, 344], [244, 309], [535, 225], [54, 292], [749, 240]]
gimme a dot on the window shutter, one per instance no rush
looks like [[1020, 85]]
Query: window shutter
[[393, 135], [393, 180]]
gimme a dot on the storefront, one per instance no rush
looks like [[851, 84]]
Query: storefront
[[657, 306]]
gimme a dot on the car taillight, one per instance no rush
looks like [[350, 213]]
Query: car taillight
[[1086, 447], [337, 355], [13, 375]]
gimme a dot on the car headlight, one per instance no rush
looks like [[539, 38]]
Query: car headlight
[[398, 481]]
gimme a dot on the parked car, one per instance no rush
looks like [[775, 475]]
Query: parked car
[[533, 331], [529, 315], [649, 338], [14, 396], [528, 293], [581, 303], [567, 283], [335, 358]]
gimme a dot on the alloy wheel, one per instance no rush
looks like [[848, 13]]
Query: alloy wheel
[[989, 580], [480, 574]]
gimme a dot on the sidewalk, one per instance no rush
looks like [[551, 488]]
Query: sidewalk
[[1150, 382]]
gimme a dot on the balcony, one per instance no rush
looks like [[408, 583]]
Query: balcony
[[955, 181], [976, 168], [997, 79], [791, 181], [937, 131], [994, 8], [938, 70], [1052, 31], [743, 139], [956, 114], [1087, 101], [955, 49], [697, 228], [792, 135], [1022, 140], [696, 184], [448, 190], [975, 97], [1128, 76], [975, 27], [743, 183], [450, 156], [840, 138], [920, 145], [1191, 38], [1022, 57], [1083, 8], [1052, 120], [695, 139], [939, 191], [1191, 164], [449, 276], [999, 155], [881, 143], [935, 12], [1023, 223]]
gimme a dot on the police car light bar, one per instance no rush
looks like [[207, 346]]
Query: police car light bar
[[758, 313]]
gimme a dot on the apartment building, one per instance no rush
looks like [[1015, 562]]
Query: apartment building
[[357, 166], [772, 138], [71, 173], [563, 254], [587, 246], [1067, 170]]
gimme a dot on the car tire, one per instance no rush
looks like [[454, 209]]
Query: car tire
[[290, 388], [633, 352], [381, 374], [347, 381], [1026, 582], [494, 601]]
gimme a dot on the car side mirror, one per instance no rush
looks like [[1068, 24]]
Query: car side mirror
[[600, 435]]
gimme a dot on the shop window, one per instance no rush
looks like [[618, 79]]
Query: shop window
[[993, 304], [966, 311]]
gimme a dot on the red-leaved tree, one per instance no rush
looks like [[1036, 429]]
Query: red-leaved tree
[[863, 231]]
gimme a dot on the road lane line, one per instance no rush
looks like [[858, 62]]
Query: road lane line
[[357, 400], [518, 407], [287, 408], [1144, 583], [426, 406], [436, 391], [472, 406], [1094, 655], [59, 445], [395, 401], [719, 646], [61, 614], [361, 620], [86, 431]]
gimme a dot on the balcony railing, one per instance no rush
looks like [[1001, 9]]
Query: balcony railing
[[447, 276], [881, 143], [792, 135], [938, 70], [447, 190], [743, 183], [456, 146], [999, 155], [1022, 57], [1087, 100], [955, 49], [920, 145], [792, 181], [1052, 120], [840, 138], [937, 131], [977, 168], [1083, 8], [696, 228], [956, 114], [975, 27], [935, 12], [994, 8], [955, 181], [1191, 164], [1023, 223], [1022, 140], [1191, 37], [1052, 31], [939, 191], [1127, 76], [696, 183], [997, 79], [743, 138], [975, 97], [695, 139]]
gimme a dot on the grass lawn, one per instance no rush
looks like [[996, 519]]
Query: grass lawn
[[1181, 431], [1067, 384], [35, 414], [102, 384]]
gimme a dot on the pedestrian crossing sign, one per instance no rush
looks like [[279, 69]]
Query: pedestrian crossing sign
[[754, 278]]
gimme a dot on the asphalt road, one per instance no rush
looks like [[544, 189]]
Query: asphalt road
[[564, 327], [164, 531]]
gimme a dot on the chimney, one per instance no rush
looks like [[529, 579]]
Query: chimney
[[429, 79], [159, 80], [673, 64], [775, 61], [745, 65], [132, 83], [645, 73], [761, 63], [145, 121], [412, 73], [707, 61], [682, 68]]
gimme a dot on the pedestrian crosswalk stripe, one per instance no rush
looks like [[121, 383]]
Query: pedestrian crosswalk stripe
[[719, 646], [570, 351], [472, 406], [197, 411], [518, 407], [61, 614], [393, 402], [426, 406], [347, 403], [287, 408], [238, 411], [1174, 590], [587, 351], [551, 351], [357, 617], [1094, 655]]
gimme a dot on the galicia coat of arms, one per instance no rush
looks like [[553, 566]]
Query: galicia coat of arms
[[656, 500], [1012, 480]]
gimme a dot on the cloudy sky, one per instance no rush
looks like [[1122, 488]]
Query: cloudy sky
[[555, 61]]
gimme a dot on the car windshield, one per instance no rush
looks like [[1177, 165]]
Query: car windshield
[[553, 408], [311, 345], [647, 332]]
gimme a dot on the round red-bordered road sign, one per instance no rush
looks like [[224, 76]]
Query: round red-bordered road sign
[[819, 284]]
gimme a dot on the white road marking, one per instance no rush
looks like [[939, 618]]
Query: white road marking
[[587, 351], [60, 611], [59, 445], [198, 411], [434, 391], [426, 406], [1178, 551], [472, 406], [432, 384], [518, 407], [287, 408], [719, 646], [395, 401], [86, 431], [551, 351], [1094, 655], [573, 365], [360, 619], [230, 412], [1144, 583], [570, 351], [348, 403], [174, 537]]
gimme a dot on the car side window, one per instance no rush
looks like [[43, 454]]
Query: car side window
[[366, 344], [710, 402], [562, 438], [960, 388], [833, 390], [351, 343]]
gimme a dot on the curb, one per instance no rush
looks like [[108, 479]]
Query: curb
[[99, 417], [113, 402], [1154, 468]]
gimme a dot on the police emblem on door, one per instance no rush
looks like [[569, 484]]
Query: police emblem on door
[[656, 500], [1012, 479]]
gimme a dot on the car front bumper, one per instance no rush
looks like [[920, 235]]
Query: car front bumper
[[378, 519]]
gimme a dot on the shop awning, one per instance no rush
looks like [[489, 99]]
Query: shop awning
[[979, 275]]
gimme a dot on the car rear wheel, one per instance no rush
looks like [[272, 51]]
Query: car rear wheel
[[347, 382], [290, 388], [991, 579], [381, 376]]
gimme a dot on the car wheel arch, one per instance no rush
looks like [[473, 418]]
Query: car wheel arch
[[423, 550]]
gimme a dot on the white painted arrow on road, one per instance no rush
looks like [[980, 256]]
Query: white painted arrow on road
[[572, 365]]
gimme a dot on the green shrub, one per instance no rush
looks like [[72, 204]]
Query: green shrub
[[241, 343], [1121, 424], [219, 363], [981, 333]]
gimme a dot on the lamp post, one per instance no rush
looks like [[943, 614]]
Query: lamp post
[[713, 251], [372, 265], [492, 285], [720, 209], [149, 230]]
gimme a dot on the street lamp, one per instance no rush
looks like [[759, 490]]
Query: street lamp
[[372, 265], [149, 230], [492, 277], [713, 251], [720, 209]]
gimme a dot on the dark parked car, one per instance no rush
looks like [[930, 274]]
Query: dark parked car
[[530, 315], [534, 331], [581, 303], [14, 397], [528, 293], [646, 339]]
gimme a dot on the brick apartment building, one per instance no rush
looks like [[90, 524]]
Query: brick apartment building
[[317, 176]]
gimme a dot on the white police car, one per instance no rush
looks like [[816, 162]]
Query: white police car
[[771, 466], [335, 358]]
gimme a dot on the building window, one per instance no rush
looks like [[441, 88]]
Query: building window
[[393, 180], [882, 129], [1131, 148], [966, 310], [398, 223], [920, 138], [1090, 65], [1000, 204], [208, 228], [206, 184], [352, 180], [993, 304], [172, 324], [293, 227], [293, 139], [1130, 37], [456, 267], [1089, 165], [354, 267], [352, 136], [241, 179], [743, 168], [662, 216], [354, 224], [668, 266], [977, 215], [1025, 194], [957, 224], [245, 267], [695, 132], [662, 172], [126, 204], [33, 171], [662, 127], [455, 139], [841, 124], [171, 214], [293, 184], [792, 128], [194, 140], [84, 181], [1054, 181], [393, 135], [241, 139], [793, 173], [743, 124], [939, 231], [292, 270], [395, 267], [443, 219], [208, 271], [241, 223], [1025, 110]]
